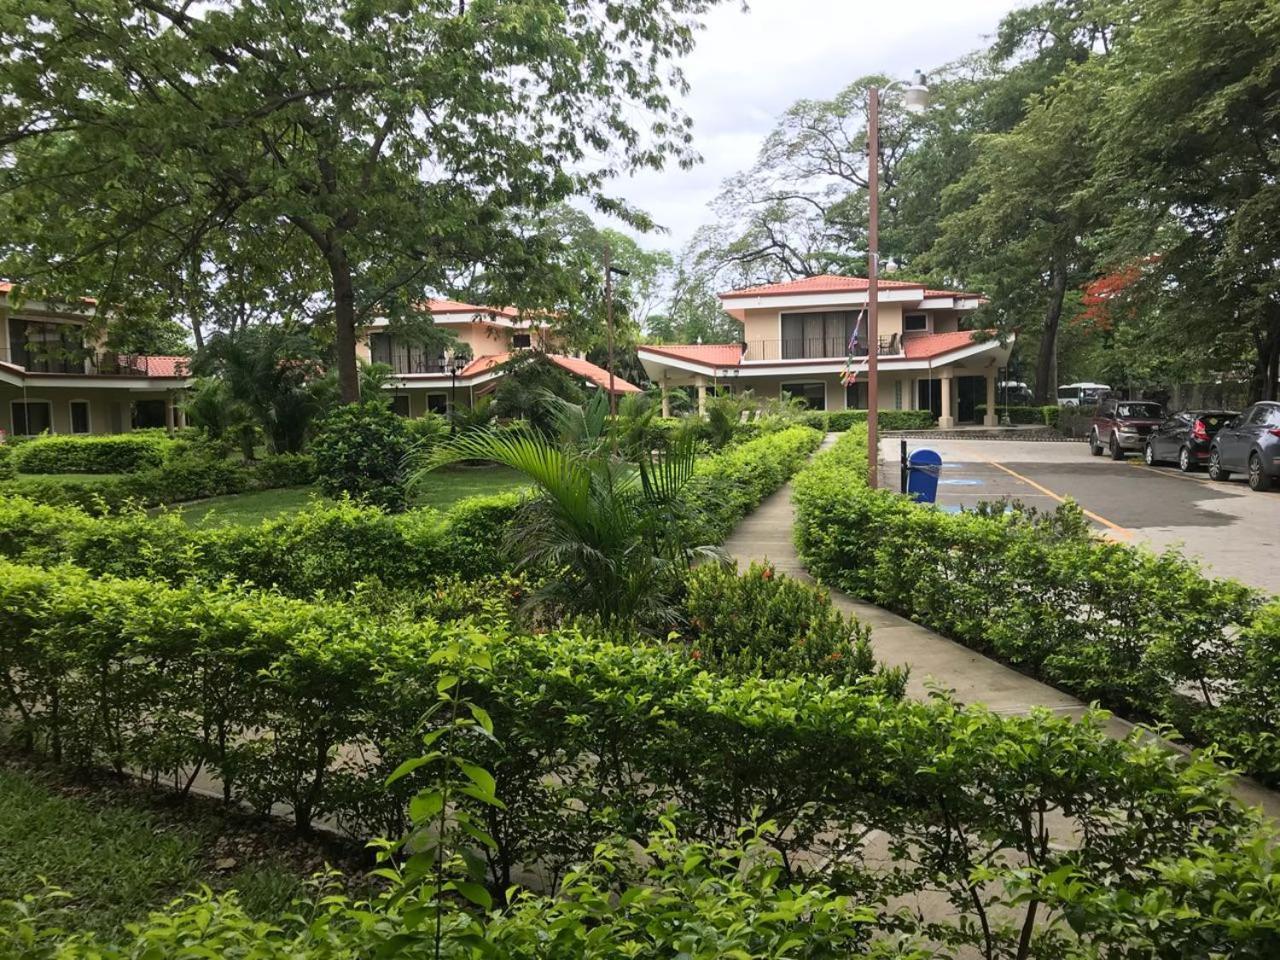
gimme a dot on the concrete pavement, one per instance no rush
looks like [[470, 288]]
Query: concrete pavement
[[934, 661], [1229, 529]]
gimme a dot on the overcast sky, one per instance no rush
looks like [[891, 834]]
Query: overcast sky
[[749, 67]]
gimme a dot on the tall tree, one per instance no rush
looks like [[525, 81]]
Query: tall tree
[[389, 147], [1190, 136], [1018, 223]]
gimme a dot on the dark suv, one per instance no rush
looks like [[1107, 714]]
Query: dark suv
[[1249, 444], [1122, 426]]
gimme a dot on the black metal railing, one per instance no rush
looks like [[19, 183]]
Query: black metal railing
[[820, 348], [88, 364], [412, 362]]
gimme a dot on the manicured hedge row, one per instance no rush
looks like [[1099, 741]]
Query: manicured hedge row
[[307, 707], [330, 547], [1048, 416], [1148, 635], [187, 473], [117, 453], [841, 420]]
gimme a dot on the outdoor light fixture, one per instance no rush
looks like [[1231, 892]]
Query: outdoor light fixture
[[916, 96]]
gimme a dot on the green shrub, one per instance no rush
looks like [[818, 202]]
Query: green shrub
[[1144, 634], [283, 470], [426, 431], [839, 421], [1048, 415], [330, 547], [118, 453], [7, 470], [309, 706], [360, 451], [760, 623]]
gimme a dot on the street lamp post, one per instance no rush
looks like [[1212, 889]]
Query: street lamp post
[[916, 99]]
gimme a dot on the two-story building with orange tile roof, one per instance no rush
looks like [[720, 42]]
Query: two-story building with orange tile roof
[[429, 381], [808, 339], [56, 375]]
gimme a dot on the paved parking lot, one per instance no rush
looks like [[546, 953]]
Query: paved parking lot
[[1233, 531]]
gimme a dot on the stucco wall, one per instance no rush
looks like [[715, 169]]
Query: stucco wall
[[109, 409]]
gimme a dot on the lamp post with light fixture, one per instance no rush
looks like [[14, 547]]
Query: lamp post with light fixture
[[916, 100]]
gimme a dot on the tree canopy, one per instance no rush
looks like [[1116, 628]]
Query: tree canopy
[[330, 158]]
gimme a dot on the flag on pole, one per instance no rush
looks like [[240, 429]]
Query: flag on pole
[[849, 375]]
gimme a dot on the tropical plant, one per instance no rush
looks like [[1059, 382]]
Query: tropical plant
[[211, 408], [475, 417], [529, 386], [275, 371], [606, 534]]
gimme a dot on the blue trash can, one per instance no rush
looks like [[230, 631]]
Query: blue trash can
[[923, 468]]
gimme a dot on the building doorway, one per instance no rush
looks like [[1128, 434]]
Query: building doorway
[[970, 392], [929, 396]]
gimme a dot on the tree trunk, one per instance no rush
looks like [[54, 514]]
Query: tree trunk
[[193, 301], [344, 315], [1047, 361], [1269, 355]]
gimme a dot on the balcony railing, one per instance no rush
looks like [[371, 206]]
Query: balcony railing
[[821, 348], [87, 364], [401, 363]]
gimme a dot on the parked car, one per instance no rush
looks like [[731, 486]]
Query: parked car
[[1184, 438], [1082, 394], [1249, 444], [1122, 426], [1014, 393]]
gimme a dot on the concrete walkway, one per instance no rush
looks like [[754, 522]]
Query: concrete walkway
[[935, 661]]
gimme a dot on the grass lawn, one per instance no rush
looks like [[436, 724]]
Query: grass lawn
[[121, 852], [440, 490]]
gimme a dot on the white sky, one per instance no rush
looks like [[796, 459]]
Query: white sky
[[749, 67]]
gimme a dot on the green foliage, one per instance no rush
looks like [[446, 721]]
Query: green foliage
[[274, 374], [117, 453], [1148, 635], [360, 451], [760, 623], [841, 420], [529, 388], [426, 431], [117, 856], [190, 472], [1046, 415], [314, 706], [7, 470]]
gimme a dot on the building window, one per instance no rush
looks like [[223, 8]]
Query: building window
[[813, 335], [915, 323], [400, 404], [31, 417], [520, 341], [855, 396], [897, 394], [814, 395], [80, 416], [437, 403]]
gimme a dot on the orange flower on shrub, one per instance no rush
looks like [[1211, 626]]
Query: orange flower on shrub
[[766, 573], [695, 654]]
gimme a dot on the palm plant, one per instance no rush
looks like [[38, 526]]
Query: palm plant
[[605, 536]]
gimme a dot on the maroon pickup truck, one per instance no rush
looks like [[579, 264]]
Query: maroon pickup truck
[[1122, 426]]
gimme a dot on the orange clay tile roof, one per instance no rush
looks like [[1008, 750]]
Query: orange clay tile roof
[[159, 366], [579, 368], [712, 354], [959, 295], [827, 283], [921, 346], [457, 306]]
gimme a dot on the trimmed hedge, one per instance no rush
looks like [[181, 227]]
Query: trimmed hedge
[[117, 453], [841, 420], [1048, 415], [309, 706], [1144, 634], [189, 473], [329, 547]]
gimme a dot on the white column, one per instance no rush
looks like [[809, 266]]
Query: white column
[[702, 395], [946, 421], [170, 413], [992, 418], [666, 398]]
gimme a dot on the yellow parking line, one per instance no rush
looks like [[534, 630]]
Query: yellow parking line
[[1113, 527]]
